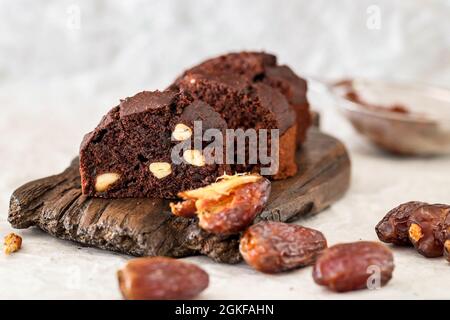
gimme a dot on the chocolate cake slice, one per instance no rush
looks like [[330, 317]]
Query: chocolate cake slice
[[135, 150], [248, 105], [129, 154], [260, 67]]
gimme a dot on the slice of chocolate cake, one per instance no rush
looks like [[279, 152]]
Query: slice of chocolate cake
[[248, 105], [262, 67], [148, 145], [129, 154]]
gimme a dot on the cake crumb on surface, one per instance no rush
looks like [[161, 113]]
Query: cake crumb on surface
[[12, 243]]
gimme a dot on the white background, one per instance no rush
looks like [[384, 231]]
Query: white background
[[58, 77]]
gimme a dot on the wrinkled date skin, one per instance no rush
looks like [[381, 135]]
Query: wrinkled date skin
[[393, 228], [348, 266], [426, 226], [161, 278], [273, 247], [446, 237], [227, 206], [427, 229]]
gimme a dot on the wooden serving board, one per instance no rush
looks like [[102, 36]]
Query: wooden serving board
[[145, 227]]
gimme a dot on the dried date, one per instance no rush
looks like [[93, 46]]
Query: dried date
[[354, 266], [161, 278], [446, 237], [393, 228], [447, 249], [273, 247], [227, 206], [427, 229], [426, 226]]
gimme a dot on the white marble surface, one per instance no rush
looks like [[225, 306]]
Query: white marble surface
[[56, 80]]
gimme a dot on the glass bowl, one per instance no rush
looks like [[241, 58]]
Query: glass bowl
[[405, 119]]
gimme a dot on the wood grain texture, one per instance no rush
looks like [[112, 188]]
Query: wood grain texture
[[145, 227]]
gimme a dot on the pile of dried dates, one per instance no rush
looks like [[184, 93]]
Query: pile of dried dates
[[419, 224], [230, 205]]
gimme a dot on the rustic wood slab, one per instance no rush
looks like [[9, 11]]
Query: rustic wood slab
[[145, 227]]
